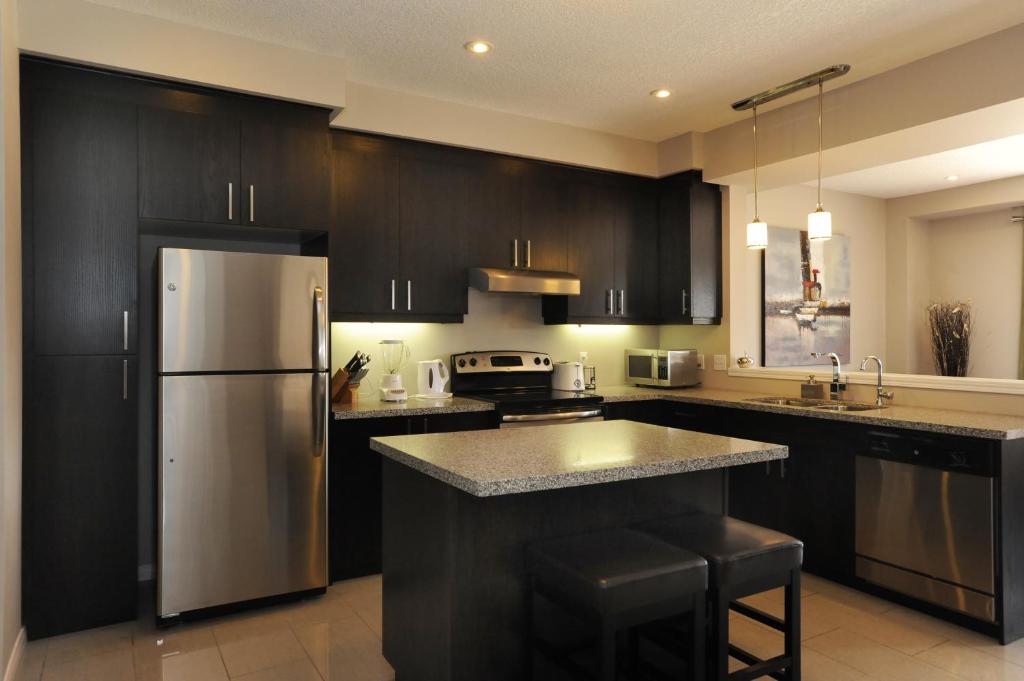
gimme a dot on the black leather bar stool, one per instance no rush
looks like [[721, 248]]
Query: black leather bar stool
[[613, 580], [743, 559]]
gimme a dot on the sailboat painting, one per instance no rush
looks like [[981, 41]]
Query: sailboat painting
[[806, 298]]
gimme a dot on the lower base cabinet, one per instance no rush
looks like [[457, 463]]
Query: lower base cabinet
[[354, 481], [80, 507]]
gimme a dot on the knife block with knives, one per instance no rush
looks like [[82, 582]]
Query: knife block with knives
[[345, 382]]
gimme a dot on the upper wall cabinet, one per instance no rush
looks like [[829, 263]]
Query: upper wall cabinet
[[690, 250], [612, 248], [189, 166], [219, 169], [285, 176], [80, 218], [399, 231], [544, 222]]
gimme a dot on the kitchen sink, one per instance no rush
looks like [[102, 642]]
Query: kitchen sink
[[847, 406], [786, 401]]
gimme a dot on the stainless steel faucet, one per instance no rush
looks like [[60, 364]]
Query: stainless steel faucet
[[881, 395], [838, 386]]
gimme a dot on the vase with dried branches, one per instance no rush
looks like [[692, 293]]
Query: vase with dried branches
[[950, 325]]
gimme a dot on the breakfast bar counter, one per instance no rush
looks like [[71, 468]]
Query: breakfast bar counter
[[459, 510]]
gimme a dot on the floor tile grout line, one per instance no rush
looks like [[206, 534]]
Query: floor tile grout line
[[309, 655]]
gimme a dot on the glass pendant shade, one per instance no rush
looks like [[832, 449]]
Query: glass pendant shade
[[819, 225], [757, 234]]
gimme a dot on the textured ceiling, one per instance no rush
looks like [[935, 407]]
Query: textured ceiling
[[977, 163], [592, 63]]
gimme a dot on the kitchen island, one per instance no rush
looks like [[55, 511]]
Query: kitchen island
[[459, 510]]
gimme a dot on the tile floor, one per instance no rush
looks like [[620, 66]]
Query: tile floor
[[848, 636]]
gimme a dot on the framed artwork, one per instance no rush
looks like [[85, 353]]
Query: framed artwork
[[806, 298]]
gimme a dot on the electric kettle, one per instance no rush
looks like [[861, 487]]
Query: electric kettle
[[431, 378], [568, 376]]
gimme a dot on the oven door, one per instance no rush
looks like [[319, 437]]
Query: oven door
[[552, 417]]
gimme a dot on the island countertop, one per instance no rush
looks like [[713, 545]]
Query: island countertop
[[498, 462]]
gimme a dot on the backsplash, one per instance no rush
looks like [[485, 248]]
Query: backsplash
[[494, 322]]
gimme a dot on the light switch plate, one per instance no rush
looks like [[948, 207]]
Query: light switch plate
[[719, 362], [700, 361], [584, 355]]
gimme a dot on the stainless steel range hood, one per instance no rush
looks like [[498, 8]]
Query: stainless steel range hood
[[496, 280]]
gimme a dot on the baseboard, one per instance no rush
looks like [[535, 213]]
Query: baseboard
[[14, 663], [146, 573]]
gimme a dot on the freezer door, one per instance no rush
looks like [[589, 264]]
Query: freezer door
[[224, 312], [242, 488]]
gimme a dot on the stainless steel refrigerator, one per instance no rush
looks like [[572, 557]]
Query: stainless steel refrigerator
[[243, 405]]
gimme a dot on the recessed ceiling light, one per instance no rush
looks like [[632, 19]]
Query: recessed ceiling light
[[661, 93], [952, 178], [479, 46]]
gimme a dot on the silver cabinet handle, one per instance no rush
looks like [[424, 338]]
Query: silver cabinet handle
[[684, 301], [231, 202], [124, 379], [609, 302], [319, 337], [622, 301], [767, 467], [392, 294], [408, 295], [782, 468], [515, 252], [252, 203], [528, 254], [125, 333]]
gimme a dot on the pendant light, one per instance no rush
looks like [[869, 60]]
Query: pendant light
[[819, 222], [757, 230]]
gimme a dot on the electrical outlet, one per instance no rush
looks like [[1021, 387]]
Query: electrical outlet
[[584, 355], [700, 361], [720, 362]]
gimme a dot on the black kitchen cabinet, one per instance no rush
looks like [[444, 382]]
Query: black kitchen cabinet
[[285, 176], [354, 472], [434, 225], [189, 166], [544, 236], [364, 251], [495, 201], [79, 187], [636, 254], [591, 218], [690, 250], [80, 507], [652, 412]]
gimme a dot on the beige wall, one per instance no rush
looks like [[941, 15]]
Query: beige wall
[[982, 76], [10, 338], [93, 34], [494, 322], [977, 258], [907, 220]]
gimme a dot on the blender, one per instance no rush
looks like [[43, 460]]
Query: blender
[[394, 353]]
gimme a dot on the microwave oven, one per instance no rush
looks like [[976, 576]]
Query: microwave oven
[[662, 368]]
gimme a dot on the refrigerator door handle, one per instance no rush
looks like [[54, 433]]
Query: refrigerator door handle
[[320, 413], [319, 334]]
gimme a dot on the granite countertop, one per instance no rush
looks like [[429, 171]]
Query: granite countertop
[[415, 406], [498, 462], [928, 419]]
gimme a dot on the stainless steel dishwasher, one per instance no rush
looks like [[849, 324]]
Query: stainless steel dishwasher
[[925, 522]]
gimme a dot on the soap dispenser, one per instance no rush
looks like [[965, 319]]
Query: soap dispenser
[[812, 390]]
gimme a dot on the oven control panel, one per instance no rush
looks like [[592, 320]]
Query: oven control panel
[[501, 361]]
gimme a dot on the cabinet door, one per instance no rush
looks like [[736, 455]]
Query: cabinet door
[[675, 294], [545, 232], [433, 216], [591, 220], [80, 224], [285, 176], [80, 487], [636, 254], [364, 269], [705, 262], [495, 200], [189, 166]]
